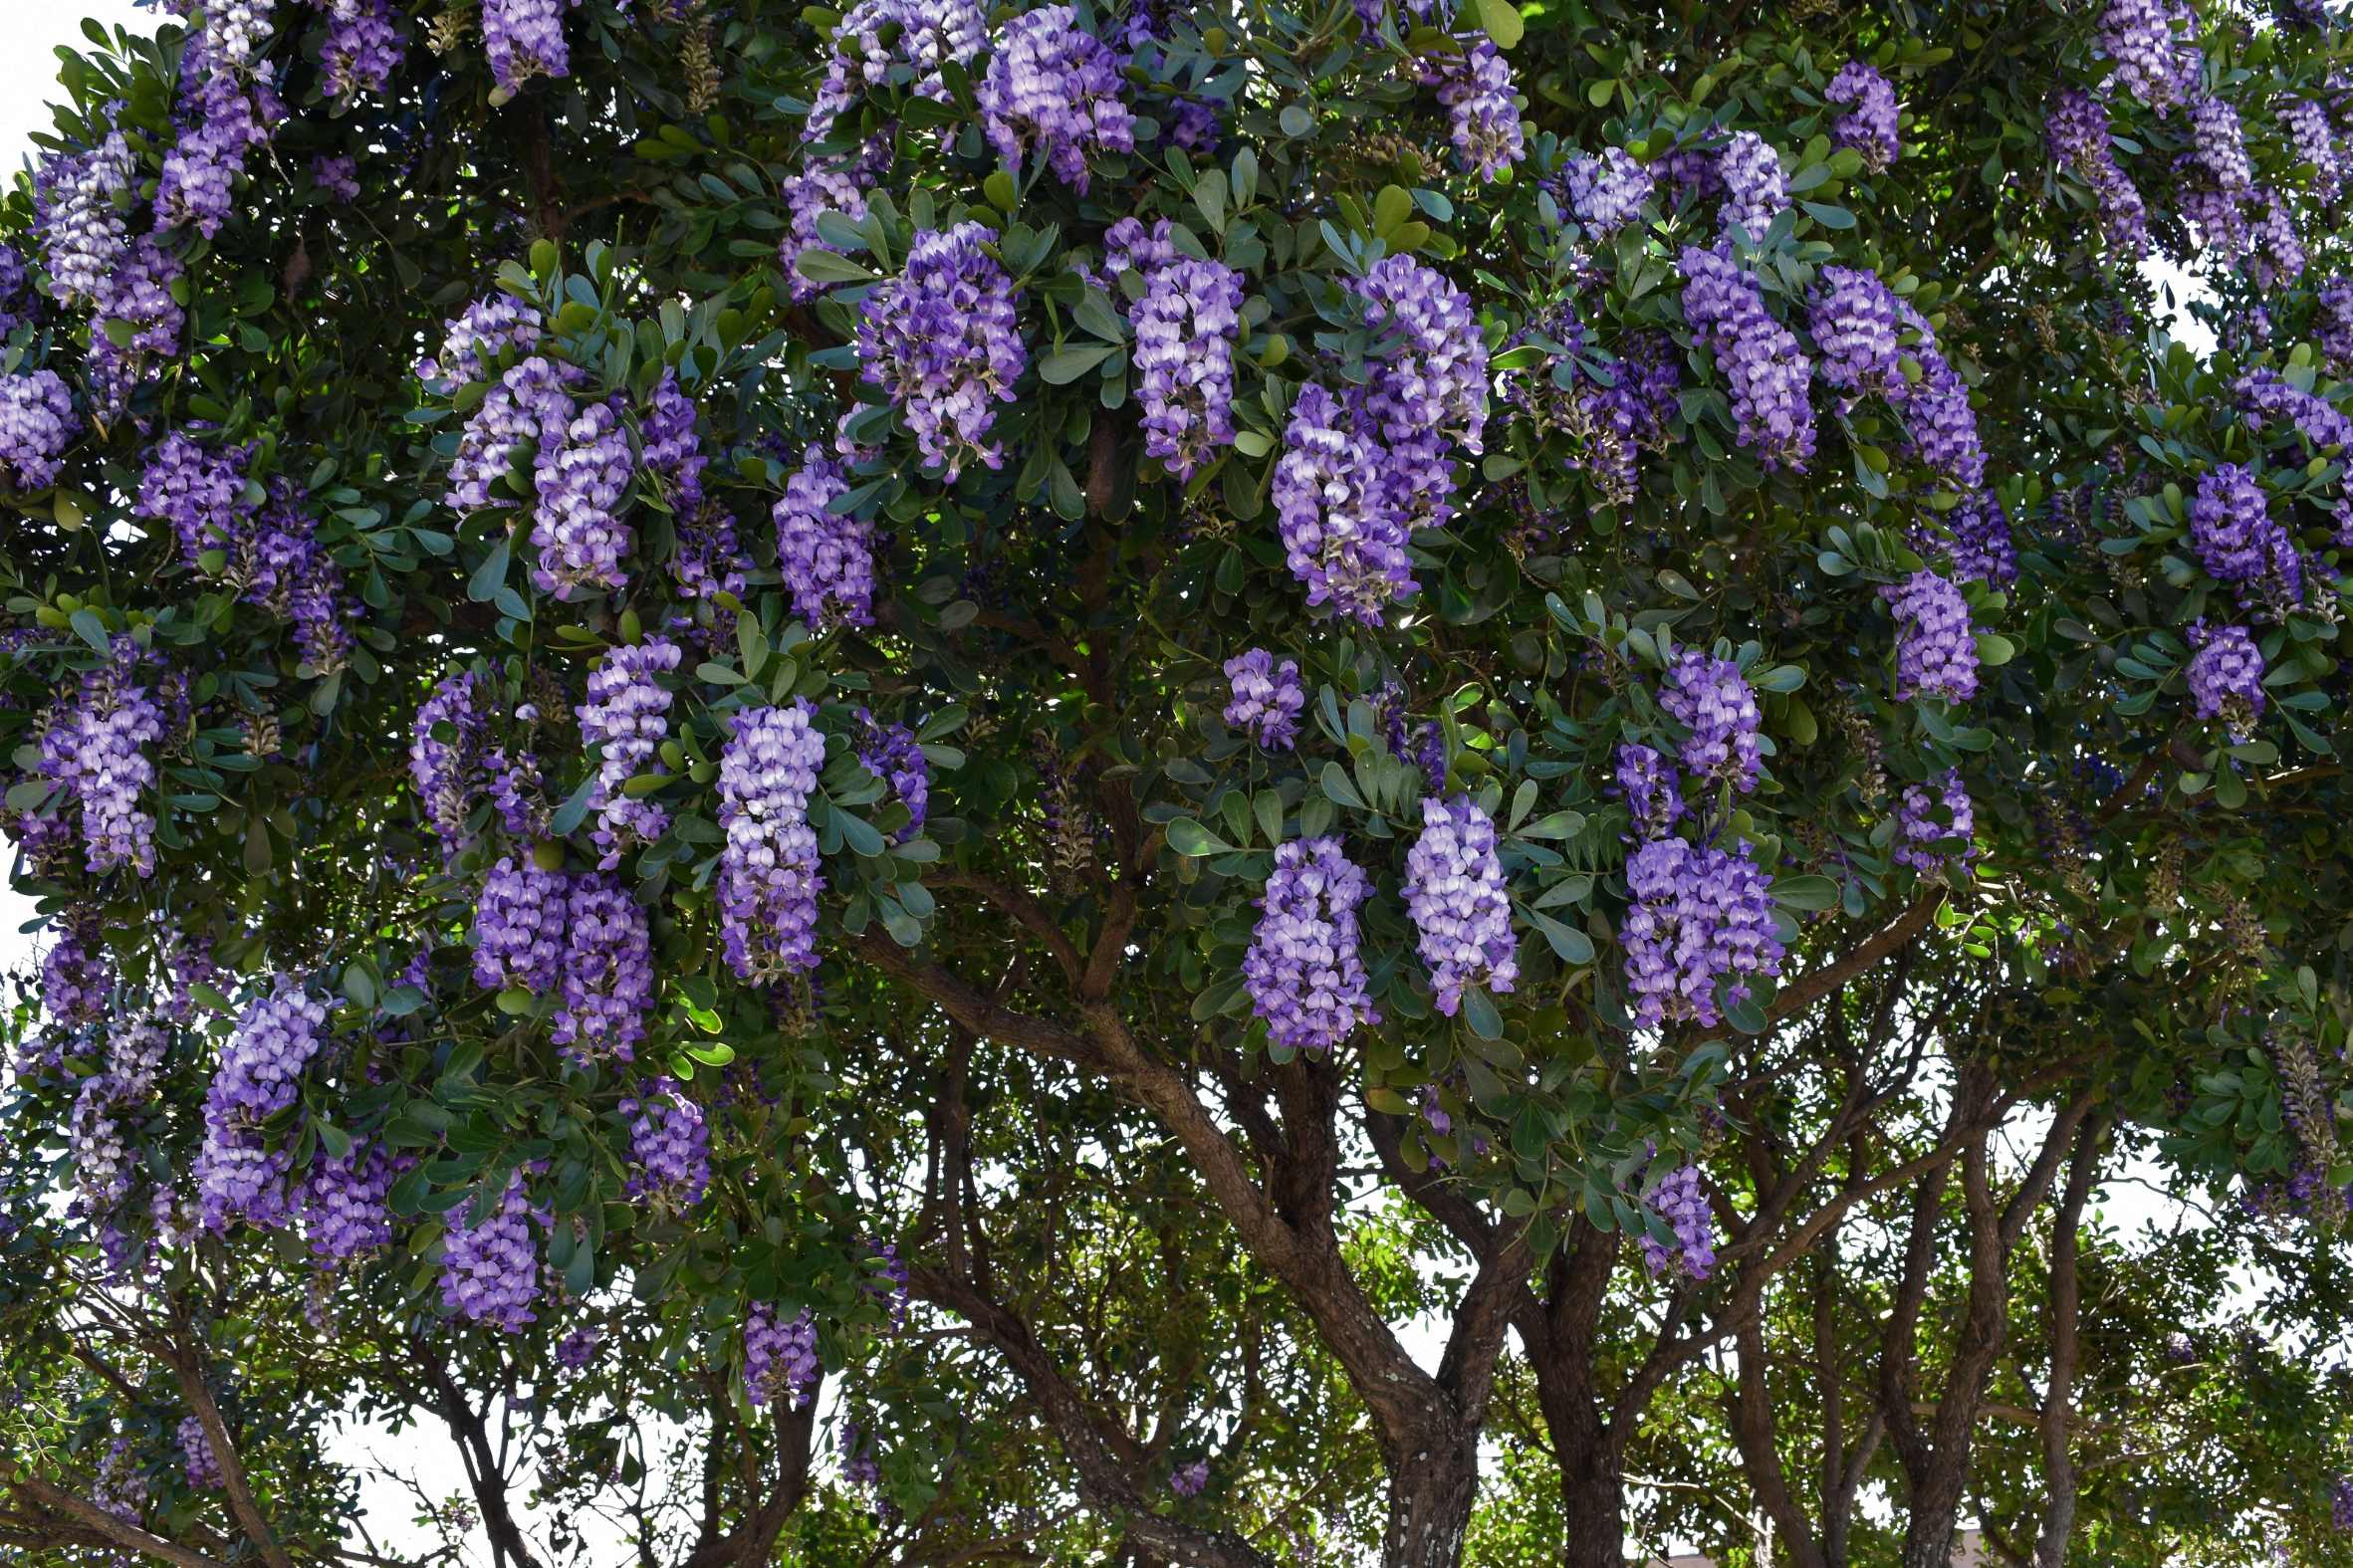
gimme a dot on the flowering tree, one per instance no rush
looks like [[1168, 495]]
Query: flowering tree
[[660, 655]]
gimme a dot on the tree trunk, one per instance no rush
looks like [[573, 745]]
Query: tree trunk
[[1559, 1334], [2058, 1463]]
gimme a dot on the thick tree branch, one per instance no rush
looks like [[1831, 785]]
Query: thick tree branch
[[56, 1499], [1806, 990], [187, 1364]]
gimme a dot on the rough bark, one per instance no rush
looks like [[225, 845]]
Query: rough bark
[[188, 1366], [1752, 1434], [485, 1477], [2058, 1461], [51, 1502]]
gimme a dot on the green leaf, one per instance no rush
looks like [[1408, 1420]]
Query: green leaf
[[1828, 216], [1094, 313], [1478, 1012], [859, 835], [1573, 946], [1188, 838], [1219, 997], [574, 809], [1065, 366], [1560, 824], [820, 265], [28, 796], [1339, 789], [1805, 892], [1502, 20], [92, 630], [490, 577]]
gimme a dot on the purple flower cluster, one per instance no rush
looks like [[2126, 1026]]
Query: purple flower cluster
[[491, 1272], [81, 229], [345, 1214], [780, 1358], [2219, 146], [1982, 545], [1942, 426], [37, 425], [822, 187], [472, 341], [890, 752], [1454, 889], [2236, 538], [137, 293], [922, 35], [1185, 330], [1482, 110], [529, 405], [826, 557], [221, 119], [1052, 86], [1678, 1201], [607, 973], [523, 39], [338, 177], [197, 1457], [2154, 63], [446, 771], [628, 712], [75, 973], [94, 1133], [1302, 970], [1919, 829], [1757, 354], [1651, 790], [1871, 128], [708, 561], [1856, 326], [1936, 652], [2282, 255], [1606, 193], [2313, 142], [2213, 215], [519, 927], [673, 453], [2270, 398], [95, 755], [583, 486], [1755, 191], [1130, 247], [1342, 532], [769, 877], [1267, 698], [1631, 413], [576, 1349], [2332, 324], [275, 1039], [1711, 698], [17, 305], [1189, 1480], [943, 339], [362, 49], [2227, 678], [1699, 915], [1433, 375], [2078, 128], [296, 578], [669, 1148]]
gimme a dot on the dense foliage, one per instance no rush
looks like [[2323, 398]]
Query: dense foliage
[[1034, 721]]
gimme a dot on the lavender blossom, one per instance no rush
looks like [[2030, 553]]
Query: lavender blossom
[[2227, 678], [1185, 330], [926, 33], [529, 405], [583, 486], [2281, 252], [673, 453], [1856, 326], [1678, 1201], [345, 1217], [1052, 86], [669, 1148], [102, 1163], [2270, 401], [363, 50], [1872, 128], [607, 973], [1700, 915], [943, 339], [37, 425], [523, 39], [472, 340], [768, 876], [1917, 829], [446, 771], [1937, 410], [237, 1176], [96, 754], [826, 557], [2154, 63], [1711, 698], [780, 1358], [490, 1273], [1482, 110], [2218, 144], [519, 927], [197, 1457], [222, 120], [1652, 792], [81, 229], [1936, 651], [1454, 890], [1189, 1480], [819, 189], [74, 974], [1759, 356], [17, 307], [1341, 530], [2313, 140], [2078, 128], [627, 713], [2332, 324], [1755, 191], [2236, 538], [1606, 193], [1302, 970], [1267, 698], [1130, 247]]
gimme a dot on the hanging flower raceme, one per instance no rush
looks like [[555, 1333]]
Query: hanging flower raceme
[[1433, 375], [364, 48], [891, 752], [628, 712], [237, 1177], [1937, 410], [1930, 814], [1054, 87], [523, 39], [137, 296], [2078, 128], [1857, 326], [37, 425], [1302, 970], [607, 973], [2271, 401], [1185, 330], [2313, 140], [1701, 916], [490, 1272], [673, 453], [2281, 253], [1757, 354], [1607, 192], [1756, 190], [197, 1457], [2155, 62], [74, 974], [669, 1148], [922, 35], [1267, 698], [529, 407], [103, 1165], [1342, 530], [1482, 110], [1454, 889], [2227, 678], [2218, 144], [583, 486], [345, 1217], [519, 927], [17, 303], [768, 876], [472, 340], [2238, 541], [73, 213], [943, 339], [446, 754], [826, 557], [1711, 698], [1982, 543], [1936, 651], [780, 1357], [1652, 791], [223, 117], [1872, 128], [1678, 1201]]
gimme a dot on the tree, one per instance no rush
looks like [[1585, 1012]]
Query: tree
[[671, 664]]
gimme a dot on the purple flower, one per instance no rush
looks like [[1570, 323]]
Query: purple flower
[[1711, 698], [1678, 1201], [708, 561], [925, 33], [1632, 413], [628, 712], [2154, 63], [1755, 191], [1757, 354], [2332, 324], [519, 927], [1482, 110], [1937, 410], [607, 973], [944, 341], [103, 1164], [1856, 326], [2237, 539], [81, 229], [576, 1349], [1698, 916], [37, 425], [523, 39], [1919, 829], [94, 752], [1185, 329], [362, 49], [529, 405], [769, 877], [1302, 970], [221, 121], [1936, 652], [1982, 546], [2078, 128], [1341, 530], [2227, 678], [1606, 193], [446, 771], [137, 293], [338, 177], [1653, 794], [344, 1215], [196, 1456], [490, 1273], [674, 454], [826, 557], [1052, 86], [891, 752], [74, 974], [1187, 1480], [1871, 128], [1432, 374], [1130, 247], [17, 303], [2314, 142], [669, 1148], [2271, 401], [237, 1176], [1454, 889], [2220, 147], [2282, 252], [583, 486], [1267, 698], [472, 340], [780, 1358]]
